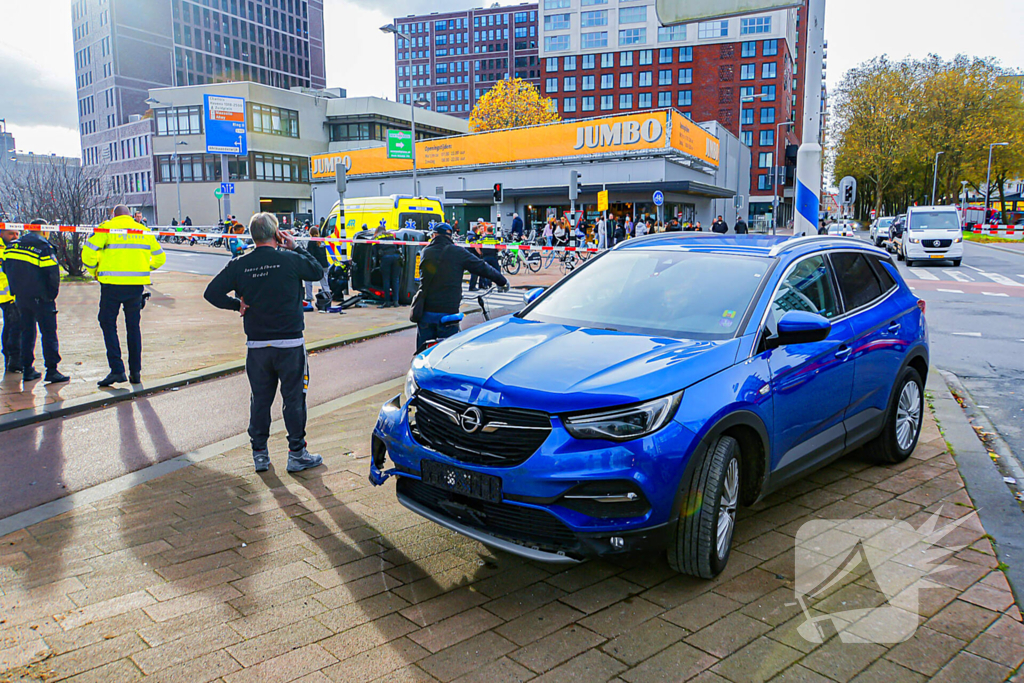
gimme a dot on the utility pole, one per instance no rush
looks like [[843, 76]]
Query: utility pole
[[808, 159], [935, 175]]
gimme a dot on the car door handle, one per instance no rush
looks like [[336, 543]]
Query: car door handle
[[894, 327], [843, 352]]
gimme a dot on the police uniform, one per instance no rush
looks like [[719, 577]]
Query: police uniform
[[11, 338], [489, 256], [33, 277], [121, 263]]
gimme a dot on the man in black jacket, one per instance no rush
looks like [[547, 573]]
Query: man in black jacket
[[720, 226], [34, 278], [268, 281], [442, 265], [741, 226]]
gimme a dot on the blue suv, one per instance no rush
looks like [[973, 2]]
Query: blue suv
[[641, 400]]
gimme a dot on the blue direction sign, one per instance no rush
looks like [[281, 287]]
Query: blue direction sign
[[659, 198], [227, 188], [225, 125]]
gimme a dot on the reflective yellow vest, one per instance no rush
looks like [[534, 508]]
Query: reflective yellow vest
[[5, 289], [115, 259]]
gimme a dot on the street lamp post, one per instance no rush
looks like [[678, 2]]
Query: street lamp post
[[157, 104], [391, 28], [988, 175], [775, 187], [963, 202], [739, 150], [935, 175]]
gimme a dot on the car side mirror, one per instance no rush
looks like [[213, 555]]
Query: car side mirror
[[532, 295], [800, 327]]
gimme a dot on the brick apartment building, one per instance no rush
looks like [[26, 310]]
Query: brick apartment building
[[613, 56], [450, 59]]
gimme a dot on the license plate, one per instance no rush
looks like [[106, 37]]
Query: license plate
[[937, 256], [457, 480]]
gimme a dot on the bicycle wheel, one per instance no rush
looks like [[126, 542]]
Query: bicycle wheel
[[512, 264], [533, 262]]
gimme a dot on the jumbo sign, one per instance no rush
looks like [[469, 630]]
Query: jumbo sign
[[610, 135]]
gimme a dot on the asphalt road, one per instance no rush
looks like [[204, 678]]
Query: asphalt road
[[199, 263], [976, 320]]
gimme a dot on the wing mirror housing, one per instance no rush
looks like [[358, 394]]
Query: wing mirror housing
[[800, 327]]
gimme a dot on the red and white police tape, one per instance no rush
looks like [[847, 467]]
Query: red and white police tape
[[171, 232], [979, 229]]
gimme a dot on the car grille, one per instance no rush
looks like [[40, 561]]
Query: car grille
[[522, 524], [505, 437], [936, 244]]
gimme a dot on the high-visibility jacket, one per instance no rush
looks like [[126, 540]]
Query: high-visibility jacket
[[116, 259], [5, 288], [31, 269]]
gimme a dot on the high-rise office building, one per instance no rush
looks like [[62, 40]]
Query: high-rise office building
[[450, 59], [614, 56], [125, 47]]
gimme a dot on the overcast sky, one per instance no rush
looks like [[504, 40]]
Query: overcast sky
[[37, 79]]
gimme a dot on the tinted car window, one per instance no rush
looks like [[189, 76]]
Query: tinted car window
[[807, 288], [857, 279], [884, 277], [676, 294]]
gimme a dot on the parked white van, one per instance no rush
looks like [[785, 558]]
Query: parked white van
[[931, 233]]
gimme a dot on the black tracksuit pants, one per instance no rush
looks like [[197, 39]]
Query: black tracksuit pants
[[112, 299], [11, 338], [266, 367], [391, 275]]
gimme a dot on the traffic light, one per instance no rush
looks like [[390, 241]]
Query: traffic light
[[575, 184], [498, 193], [848, 195]]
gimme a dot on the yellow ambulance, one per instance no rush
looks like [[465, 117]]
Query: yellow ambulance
[[365, 213]]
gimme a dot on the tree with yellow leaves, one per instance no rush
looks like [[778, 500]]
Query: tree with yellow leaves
[[511, 103]]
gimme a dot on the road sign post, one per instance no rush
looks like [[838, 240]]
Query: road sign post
[[225, 135], [399, 144]]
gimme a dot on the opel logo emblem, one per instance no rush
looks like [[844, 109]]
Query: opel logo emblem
[[471, 420], [935, 243]]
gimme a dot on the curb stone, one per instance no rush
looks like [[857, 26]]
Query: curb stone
[[1000, 514]]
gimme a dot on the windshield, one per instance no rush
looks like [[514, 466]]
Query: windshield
[[934, 220], [682, 295], [885, 222]]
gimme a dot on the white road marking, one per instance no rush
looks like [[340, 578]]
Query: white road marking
[[959, 277], [995, 294], [973, 268], [966, 334], [1002, 280], [923, 274], [951, 291]]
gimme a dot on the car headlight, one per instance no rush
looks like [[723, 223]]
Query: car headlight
[[958, 240], [623, 424], [914, 241], [410, 388]]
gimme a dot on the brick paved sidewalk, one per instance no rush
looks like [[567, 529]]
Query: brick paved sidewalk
[[216, 573]]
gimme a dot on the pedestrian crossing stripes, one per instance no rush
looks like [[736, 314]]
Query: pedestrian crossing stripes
[[922, 274], [512, 299], [952, 275]]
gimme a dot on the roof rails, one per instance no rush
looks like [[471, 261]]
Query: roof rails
[[805, 239], [662, 235]]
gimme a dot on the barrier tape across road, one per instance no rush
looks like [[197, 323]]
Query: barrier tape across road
[[90, 229], [980, 229]]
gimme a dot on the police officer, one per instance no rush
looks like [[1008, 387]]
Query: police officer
[[488, 255], [11, 339], [390, 264], [121, 263], [442, 265], [34, 279]]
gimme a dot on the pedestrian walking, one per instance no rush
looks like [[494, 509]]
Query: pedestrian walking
[[318, 251], [442, 265], [517, 228], [390, 259], [267, 283], [720, 226], [602, 232], [33, 277], [121, 263], [741, 226], [620, 232], [11, 336], [629, 227], [548, 234], [641, 227]]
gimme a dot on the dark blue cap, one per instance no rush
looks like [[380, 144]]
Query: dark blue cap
[[442, 227]]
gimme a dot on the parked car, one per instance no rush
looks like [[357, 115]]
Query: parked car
[[841, 229], [640, 401], [895, 233], [879, 232], [931, 233]]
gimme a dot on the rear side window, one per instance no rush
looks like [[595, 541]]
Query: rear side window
[[884, 277], [857, 280]]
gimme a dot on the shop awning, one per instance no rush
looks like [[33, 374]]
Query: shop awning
[[589, 192]]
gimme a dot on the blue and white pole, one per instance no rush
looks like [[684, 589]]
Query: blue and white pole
[[808, 158]]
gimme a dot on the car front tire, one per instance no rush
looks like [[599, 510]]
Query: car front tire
[[902, 423], [956, 262], [710, 499]]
